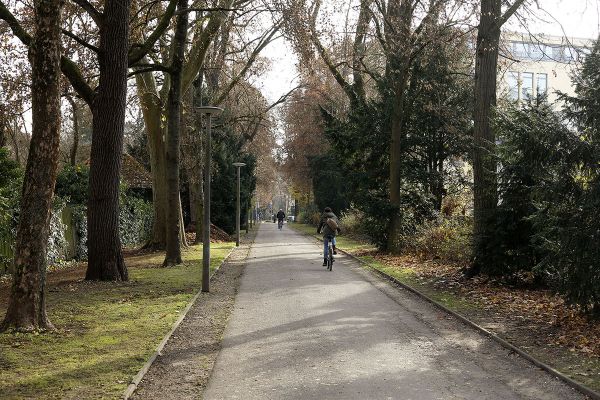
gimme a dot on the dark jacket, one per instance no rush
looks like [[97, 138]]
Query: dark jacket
[[323, 227], [281, 215]]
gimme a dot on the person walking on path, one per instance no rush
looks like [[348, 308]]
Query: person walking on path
[[330, 226]]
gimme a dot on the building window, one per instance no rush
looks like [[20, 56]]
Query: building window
[[526, 85], [535, 51], [542, 84], [520, 49], [513, 85]]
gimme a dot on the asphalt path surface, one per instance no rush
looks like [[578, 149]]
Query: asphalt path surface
[[299, 331]]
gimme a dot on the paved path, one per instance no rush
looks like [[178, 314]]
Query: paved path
[[301, 332]]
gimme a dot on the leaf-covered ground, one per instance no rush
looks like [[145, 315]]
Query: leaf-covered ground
[[535, 320], [105, 330]]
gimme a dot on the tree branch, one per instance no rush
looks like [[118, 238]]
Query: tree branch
[[200, 47], [507, 14], [91, 10], [137, 52], [68, 67], [265, 40], [73, 74], [80, 41], [14, 25], [142, 68]]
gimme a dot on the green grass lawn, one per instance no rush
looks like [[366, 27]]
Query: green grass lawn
[[105, 331]]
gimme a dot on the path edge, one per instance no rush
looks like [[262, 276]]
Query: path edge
[[135, 381], [569, 381]]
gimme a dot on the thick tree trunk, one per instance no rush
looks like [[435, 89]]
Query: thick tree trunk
[[73, 158], [27, 303], [173, 254], [484, 163], [105, 258], [152, 110]]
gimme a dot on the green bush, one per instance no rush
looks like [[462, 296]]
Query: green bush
[[529, 137], [57, 244], [80, 226], [72, 184], [11, 182], [567, 227], [135, 220]]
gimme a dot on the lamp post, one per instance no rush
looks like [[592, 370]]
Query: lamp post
[[237, 208], [209, 111]]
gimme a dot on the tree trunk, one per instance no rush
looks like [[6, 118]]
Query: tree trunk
[[152, 110], [398, 34], [3, 126], [484, 162], [27, 303], [75, 131], [397, 134], [105, 258], [14, 135], [173, 255]]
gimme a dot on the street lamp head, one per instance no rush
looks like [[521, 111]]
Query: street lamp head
[[213, 111], [239, 164]]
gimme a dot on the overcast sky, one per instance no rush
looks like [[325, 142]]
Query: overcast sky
[[573, 18]]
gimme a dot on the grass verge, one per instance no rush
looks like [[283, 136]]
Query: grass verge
[[106, 330]]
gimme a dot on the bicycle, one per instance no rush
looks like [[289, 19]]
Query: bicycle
[[280, 224], [330, 258]]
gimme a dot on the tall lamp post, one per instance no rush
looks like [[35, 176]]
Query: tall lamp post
[[209, 112], [237, 208]]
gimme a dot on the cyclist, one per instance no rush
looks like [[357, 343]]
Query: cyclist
[[330, 227], [280, 218]]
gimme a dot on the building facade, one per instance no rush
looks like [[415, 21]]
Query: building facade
[[536, 65]]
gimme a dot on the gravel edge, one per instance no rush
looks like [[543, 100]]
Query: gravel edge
[[135, 381]]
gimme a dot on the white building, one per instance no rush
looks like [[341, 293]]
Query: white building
[[541, 64]]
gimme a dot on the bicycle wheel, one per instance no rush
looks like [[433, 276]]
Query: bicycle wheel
[[330, 257]]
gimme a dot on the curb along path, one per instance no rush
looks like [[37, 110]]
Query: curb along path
[[181, 369]]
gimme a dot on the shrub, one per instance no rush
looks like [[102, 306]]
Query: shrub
[[352, 222], [309, 214], [80, 227], [135, 220], [445, 238], [57, 244], [11, 182], [72, 184]]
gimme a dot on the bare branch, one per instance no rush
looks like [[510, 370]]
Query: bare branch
[[139, 51], [91, 10], [80, 41]]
